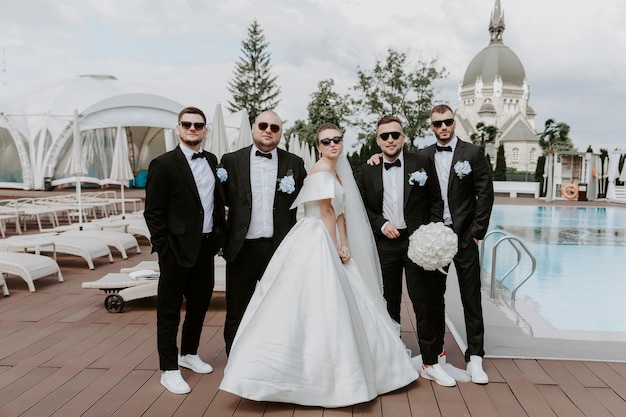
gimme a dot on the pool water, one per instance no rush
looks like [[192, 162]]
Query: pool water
[[580, 280]]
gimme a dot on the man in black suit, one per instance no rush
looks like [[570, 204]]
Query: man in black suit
[[184, 212], [400, 195], [262, 182], [464, 177]]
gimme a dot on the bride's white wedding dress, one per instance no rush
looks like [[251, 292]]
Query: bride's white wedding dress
[[315, 332]]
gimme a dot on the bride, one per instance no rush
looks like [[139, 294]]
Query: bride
[[317, 331]]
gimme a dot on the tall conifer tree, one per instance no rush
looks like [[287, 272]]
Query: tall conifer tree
[[253, 87]]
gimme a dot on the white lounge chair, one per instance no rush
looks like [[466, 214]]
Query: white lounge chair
[[118, 240], [220, 271], [139, 228], [9, 212], [121, 288], [85, 247], [142, 266], [29, 267], [3, 284]]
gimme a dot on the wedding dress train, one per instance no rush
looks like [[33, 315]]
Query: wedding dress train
[[315, 332]]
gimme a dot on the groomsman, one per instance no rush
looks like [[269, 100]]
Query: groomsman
[[261, 183], [400, 195], [185, 215], [464, 178]]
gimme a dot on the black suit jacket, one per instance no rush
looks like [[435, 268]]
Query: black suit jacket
[[173, 210], [422, 204], [470, 198], [238, 193]]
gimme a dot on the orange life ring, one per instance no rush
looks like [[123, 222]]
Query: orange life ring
[[570, 191]]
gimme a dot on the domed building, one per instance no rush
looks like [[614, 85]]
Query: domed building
[[495, 92]]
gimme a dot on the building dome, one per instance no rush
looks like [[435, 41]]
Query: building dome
[[495, 59], [530, 111]]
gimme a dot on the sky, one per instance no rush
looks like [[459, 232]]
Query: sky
[[572, 52]]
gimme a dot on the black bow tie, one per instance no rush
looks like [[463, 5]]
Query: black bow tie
[[395, 163], [264, 155], [444, 148], [197, 155]]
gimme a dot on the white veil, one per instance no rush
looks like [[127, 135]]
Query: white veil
[[360, 237]]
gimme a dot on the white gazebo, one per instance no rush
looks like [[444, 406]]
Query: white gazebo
[[37, 125]]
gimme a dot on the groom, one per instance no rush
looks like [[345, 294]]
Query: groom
[[262, 182], [400, 195]]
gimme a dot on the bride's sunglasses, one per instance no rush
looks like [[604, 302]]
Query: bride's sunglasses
[[326, 142]]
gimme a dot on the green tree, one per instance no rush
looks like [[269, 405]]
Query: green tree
[[499, 174], [484, 134], [253, 87], [326, 106], [358, 159], [395, 87], [555, 137]]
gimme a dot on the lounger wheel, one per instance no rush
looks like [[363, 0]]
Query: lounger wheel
[[114, 303]]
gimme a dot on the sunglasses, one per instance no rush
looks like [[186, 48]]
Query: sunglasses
[[187, 125], [274, 128], [394, 135], [438, 123], [336, 140]]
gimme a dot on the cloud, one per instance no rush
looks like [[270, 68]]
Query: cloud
[[571, 52]]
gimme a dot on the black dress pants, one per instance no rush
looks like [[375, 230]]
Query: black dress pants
[[176, 283], [242, 275], [426, 290]]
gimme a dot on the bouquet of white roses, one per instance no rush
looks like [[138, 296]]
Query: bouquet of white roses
[[433, 246]]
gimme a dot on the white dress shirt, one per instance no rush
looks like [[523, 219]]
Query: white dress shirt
[[263, 177], [393, 194], [443, 164], [205, 182]]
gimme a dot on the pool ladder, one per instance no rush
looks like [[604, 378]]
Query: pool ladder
[[517, 244]]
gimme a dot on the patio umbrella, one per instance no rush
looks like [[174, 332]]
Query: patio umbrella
[[170, 139], [245, 132], [120, 167], [612, 174], [77, 167], [312, 156], [306, 156], [294, 145], [218, 139], [622, 175]]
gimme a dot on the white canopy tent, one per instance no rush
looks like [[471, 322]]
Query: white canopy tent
[[36, 128]]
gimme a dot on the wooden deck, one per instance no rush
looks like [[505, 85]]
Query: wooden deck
[[63, 354]]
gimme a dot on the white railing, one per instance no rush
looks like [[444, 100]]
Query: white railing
[[513, 188]]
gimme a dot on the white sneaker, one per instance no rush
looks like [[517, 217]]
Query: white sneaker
[[174, 382], [442, 358], [437, 374], [475, 369], [194, 363]]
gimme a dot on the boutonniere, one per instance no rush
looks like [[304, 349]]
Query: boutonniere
[[419, 177], [462, 168], [221, 173], [287, 184]]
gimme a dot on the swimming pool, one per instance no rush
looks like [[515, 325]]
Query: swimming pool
[[580, 280]]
